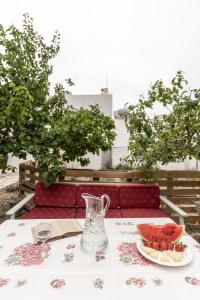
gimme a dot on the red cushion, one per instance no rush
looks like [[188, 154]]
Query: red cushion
[[114, 213], [143, 213], [68, 213], [80, 213], [98, 190], [50, 213], [139, 196], [111, 213], [58, 194]]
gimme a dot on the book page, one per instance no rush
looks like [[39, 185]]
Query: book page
[[66, 226], [60, 228]]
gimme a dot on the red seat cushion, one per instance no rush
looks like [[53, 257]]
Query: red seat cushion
[[114, 213], [143, 213], [111, 213], [139, 196], [98, 190], [50, 213], [58, 194], [80, 213]]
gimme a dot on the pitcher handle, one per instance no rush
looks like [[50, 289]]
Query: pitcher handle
[[107, 203]]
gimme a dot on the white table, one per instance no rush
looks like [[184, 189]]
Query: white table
[[68, 273]]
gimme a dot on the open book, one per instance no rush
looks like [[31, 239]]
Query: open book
[[60, 229]]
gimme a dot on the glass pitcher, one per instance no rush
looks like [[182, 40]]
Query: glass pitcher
[[94, 236]]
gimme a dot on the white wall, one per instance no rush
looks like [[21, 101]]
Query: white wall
[[14, 161], [187, 164], [120, 146], [105, 101], [95, 163], [117, 154], [122, 137]]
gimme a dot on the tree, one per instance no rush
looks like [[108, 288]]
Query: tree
[[170, 137], [24, 83], [15, 106], [43, 125], [66, 134]]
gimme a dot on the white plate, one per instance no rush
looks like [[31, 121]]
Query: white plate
[[187, 259]]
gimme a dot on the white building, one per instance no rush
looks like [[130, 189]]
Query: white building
[[104, 100], [120, 146]]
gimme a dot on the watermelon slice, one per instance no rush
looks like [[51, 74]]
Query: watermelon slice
[[170, 232]]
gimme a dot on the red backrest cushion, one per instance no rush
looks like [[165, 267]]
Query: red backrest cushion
[[98, 190], [58, 194], [139, 196]]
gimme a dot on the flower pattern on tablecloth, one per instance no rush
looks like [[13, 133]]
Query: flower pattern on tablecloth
[[157, 281], [57, 283], [192, 280], [139, 282], [11, 234], [20, 283], [68, 257], [1, 247], [100, 255], [28, 254], [98, 283], [129, 255], [21, 224], [71, 246], [124, 223], [4, 282], [128, 232]]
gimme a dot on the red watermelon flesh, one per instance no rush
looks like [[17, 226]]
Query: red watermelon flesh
[[170, 232]]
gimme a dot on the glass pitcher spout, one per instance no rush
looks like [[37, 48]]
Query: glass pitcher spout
[[94, 236]]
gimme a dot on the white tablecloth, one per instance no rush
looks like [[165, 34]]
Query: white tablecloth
[[67, 273]]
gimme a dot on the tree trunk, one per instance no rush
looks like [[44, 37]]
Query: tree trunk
[[4, 164]]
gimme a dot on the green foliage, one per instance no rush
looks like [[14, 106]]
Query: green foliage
[[24, 83], [123, 166], [15, 106], [168, 138], [68, 135], [25, 58], [32, 121]]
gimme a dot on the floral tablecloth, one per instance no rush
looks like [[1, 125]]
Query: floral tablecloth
[[67, 273]]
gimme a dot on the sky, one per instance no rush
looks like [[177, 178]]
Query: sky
[[132, 43]]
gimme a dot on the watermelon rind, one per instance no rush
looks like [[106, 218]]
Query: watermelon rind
[[170, 232]]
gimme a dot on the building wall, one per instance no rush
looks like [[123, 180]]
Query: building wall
[[15, 161], [106, 161], [118, 153], [120, 146], [187, 164], [122, 137], [95, 163], [105, 101]]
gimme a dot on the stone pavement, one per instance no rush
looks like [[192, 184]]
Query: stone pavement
[[8, 179]]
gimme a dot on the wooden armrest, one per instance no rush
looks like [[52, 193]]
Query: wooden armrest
[[176, 209], [11, 212]]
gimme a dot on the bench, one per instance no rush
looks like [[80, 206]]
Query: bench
[[63, 200]]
